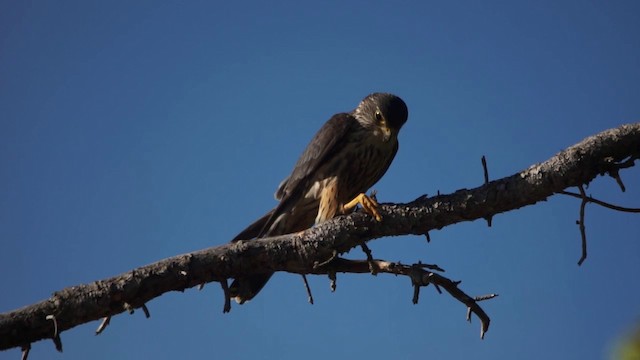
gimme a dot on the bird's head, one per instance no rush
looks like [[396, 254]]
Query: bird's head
[[383, 112]]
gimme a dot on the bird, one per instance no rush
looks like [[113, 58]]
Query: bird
[[345, 158]]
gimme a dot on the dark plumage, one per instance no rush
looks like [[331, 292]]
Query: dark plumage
[[347, 156]]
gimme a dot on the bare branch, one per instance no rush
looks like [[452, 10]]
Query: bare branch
[[583, 233], [485, 170], [600, 202], [308, 289], [25, 352], [372, 266], [615, 167], [297, 253], [489, 218], [103, 325], [145, 310], [227, 296], [416, 272]]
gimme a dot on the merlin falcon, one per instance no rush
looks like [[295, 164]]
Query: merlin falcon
[[347, 156]]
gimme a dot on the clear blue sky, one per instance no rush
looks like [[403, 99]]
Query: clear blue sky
[[134, 131]]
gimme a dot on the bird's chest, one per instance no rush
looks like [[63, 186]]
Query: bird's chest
[[355, 169], [366, 164]]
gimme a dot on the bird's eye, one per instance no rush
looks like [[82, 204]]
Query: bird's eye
[[378, 116]]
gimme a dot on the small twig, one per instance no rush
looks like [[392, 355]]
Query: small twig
[[583, 233], [627, 163], [489, 218], [485, 297], [145, 310], [334, 279], [589, 199], [452, 288], [428, 266], [615, 167], [58, 343], [56, 336], [418, 278], [601, 203], [334, 254], [103, 325], [423, 279], [484, 167], [306, 286], [227, 297], [55, 324], [477, 299], [416, 294], [437, 288], [428, 237], [25, 352], [367, 251], [616, 175]]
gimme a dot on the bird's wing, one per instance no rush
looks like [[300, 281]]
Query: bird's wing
[[327, 142]]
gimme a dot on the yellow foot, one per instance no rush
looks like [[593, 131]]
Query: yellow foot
[[369, 205]]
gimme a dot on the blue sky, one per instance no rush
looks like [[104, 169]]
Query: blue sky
[[134, 131]]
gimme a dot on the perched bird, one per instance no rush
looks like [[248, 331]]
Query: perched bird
[[347, 156]]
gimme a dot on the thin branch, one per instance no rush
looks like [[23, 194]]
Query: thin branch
[[103, 325], [588, 199], [57, 342], [485, 297], [626, 163], [25, 352], [416, 293], [615, 168], [433, 267], [489, 218], [308, 289], [583, 233], [55, 324], [145, 310], [600, 202], [419, 278], [616, 175], [367, 252], [334, 254], [333, 280], [484, 168], [227, 296]]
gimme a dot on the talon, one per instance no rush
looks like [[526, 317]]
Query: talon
[[369, 205]]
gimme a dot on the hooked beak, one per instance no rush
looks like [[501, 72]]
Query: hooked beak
[[386, 132]]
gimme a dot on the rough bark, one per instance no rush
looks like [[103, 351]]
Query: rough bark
[[606, 152]]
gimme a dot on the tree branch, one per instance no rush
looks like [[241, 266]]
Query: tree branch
[[297, 253], [419, 278]]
